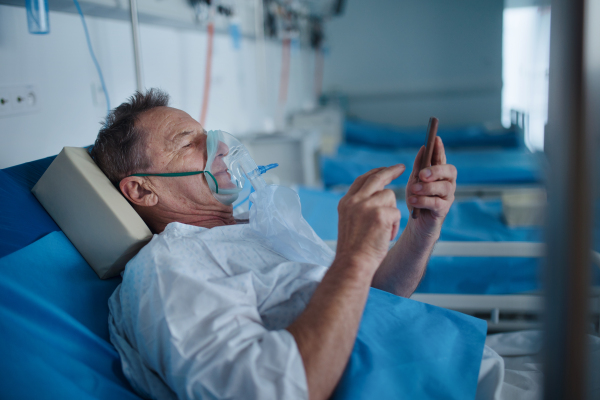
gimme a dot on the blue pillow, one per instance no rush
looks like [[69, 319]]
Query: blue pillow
[[411, 350], [54, 330], [23, 220]]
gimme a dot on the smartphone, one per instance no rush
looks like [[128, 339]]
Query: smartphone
[[426, 158]]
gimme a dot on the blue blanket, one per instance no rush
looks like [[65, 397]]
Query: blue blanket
[[411, 350]]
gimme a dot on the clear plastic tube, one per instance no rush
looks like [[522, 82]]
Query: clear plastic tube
[[252, 171]]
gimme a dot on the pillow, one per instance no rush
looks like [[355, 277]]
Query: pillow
[[93, 214], [411, 350]]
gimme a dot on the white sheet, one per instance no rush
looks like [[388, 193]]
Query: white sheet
[[512, 367]]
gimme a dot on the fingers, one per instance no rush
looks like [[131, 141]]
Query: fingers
[[417, 163], [435, 204], [389, 216], [439, 153], [380, 179], [383, 198], [359, 182], [442, 189], [438, 173]]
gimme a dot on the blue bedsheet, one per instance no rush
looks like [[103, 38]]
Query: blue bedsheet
[[509, 166], [385, 136], [54, 330]]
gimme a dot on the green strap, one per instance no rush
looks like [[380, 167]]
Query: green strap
[[172, 174]]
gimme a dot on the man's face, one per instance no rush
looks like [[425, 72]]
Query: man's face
[[177, 143]]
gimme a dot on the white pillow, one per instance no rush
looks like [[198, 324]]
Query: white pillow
[[96, 218]]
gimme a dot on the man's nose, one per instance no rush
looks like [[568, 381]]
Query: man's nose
[[222, 149]]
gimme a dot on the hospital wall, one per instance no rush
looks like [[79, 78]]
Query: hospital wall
[[402, 61], [71, 102]]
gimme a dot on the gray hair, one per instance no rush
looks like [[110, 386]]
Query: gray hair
[[119, 147]]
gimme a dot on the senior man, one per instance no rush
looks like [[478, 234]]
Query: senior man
[[218, 313]]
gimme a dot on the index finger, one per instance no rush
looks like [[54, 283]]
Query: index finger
[[359, 182], [379, 180]]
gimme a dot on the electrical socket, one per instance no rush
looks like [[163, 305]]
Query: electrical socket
[[18, 99], [5, 96]]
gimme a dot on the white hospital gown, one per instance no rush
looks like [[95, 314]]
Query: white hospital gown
[[201, 313]]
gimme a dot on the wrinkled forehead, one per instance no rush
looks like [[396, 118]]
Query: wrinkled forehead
[[165, 126]]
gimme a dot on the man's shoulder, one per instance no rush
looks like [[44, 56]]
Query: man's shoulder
[[179, 243], [177, 231], [180, 229]]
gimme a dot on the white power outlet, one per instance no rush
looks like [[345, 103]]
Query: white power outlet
[[18, 99], [5, 96]]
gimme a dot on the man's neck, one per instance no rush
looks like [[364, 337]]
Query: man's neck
[[157, 222]]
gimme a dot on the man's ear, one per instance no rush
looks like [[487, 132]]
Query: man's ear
[[136, 190]]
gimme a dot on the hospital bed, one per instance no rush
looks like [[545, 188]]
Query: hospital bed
[[54, 336]]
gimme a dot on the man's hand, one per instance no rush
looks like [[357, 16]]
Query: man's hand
[[368, 217], [403, 267], [433, 193], [325, 332]]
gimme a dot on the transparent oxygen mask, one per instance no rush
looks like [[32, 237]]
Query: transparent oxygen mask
[[230, 167]]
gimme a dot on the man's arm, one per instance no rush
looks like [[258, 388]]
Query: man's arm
[[405, 264], [325, 332]]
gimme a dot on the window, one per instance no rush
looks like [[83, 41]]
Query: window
[[525, 55]]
